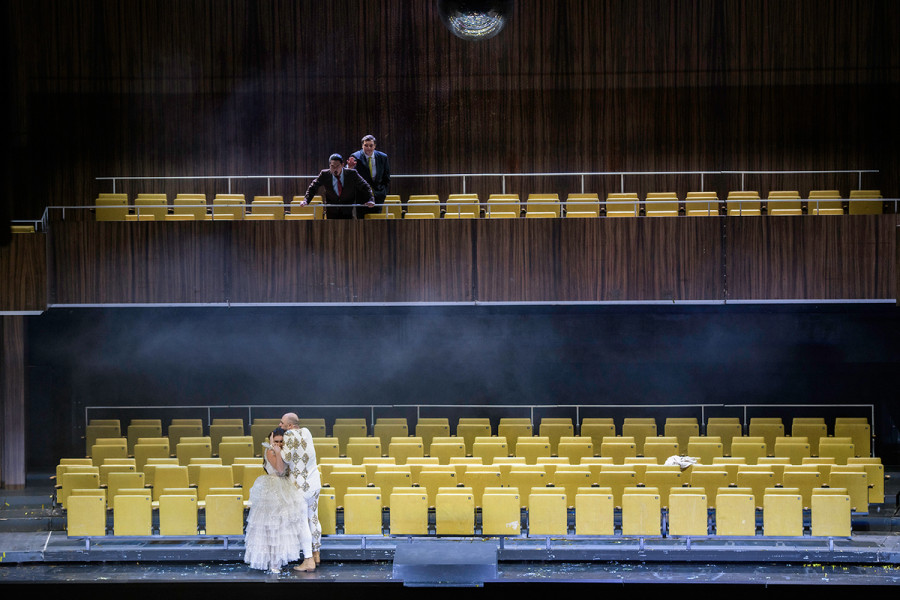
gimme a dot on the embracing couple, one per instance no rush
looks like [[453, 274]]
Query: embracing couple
[[283, 520]]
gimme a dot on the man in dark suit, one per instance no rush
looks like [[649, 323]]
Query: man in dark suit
[[341, 186], [375, 169]]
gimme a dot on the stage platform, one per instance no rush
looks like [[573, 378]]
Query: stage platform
[[34, 548]]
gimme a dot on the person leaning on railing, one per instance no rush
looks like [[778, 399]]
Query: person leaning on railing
[[344, 187]]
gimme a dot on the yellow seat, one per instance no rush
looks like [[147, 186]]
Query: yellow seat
[[133, 516], [705, 451], [72, 480], [429, 428], [503, 206], [710, 481], [575, 449], [512, 429], [409, 511], [682, 428], [639, 428], [543, 205], [743, 203], [462, 206], [617, 450], [875, 475], [268, 205], [362, 511], [313, 211], [387, 429], [228, 207], [454, 512], [150, 207], [111, 207], [855, 480], [622, 205], [660, 448], [641, 512], [830, 513], [688, 512], [865, 202], [479, 478], [403, 451], [423, 206], [224, 513], [190, 205], [661, 204], [726, 428], [444, 451], [768, 428], [469, 429], [360, 448], [751, 450], [568, 482], [597, 428], [327, 512], [664, 479], [177, 515], [490, 448], [86, 516], [825, 202], [735, 512], [812, 430], [547, 512], [346, 428], [860, 435], [757, 480], [501, 511], [701, 204], [102, 452], [782, 513], [839, 448], [782, 203], [582, 205], [117, 481], [594, 511], [617, 482], [213, 476], [340, 480], [805, 479]]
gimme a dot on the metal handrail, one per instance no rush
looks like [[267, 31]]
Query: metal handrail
[[502, 176], [529, 408]]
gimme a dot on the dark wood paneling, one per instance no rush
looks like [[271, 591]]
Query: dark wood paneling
[[797, 258], [113, 262], [599, 259], [352, 261], [23, 271], [502, 260], [12, 401], [174, 88]]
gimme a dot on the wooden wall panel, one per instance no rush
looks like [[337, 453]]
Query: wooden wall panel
[[173, 88], [352, 261], [789, 258], [12, 402], [110, 262], [599, 260], [23, 271]]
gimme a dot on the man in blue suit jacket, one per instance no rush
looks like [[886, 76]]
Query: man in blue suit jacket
[[341, 186], [374, 168]]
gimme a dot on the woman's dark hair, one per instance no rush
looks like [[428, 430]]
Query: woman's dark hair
[[276, 431]]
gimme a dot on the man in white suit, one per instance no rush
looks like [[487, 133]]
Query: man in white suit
[[300, 455]]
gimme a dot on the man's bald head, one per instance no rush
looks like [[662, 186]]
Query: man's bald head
[[289, 421]]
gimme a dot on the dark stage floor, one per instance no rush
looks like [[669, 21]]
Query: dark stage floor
[[34, 549]]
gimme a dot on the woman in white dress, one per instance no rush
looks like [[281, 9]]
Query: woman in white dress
[[277, 527]]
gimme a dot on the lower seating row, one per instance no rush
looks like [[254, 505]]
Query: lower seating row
[[504, 511]]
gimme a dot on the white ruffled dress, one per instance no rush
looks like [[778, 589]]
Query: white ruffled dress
[[277, 523]]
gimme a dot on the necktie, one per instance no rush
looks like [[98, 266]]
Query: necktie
[[339, 186], [372, 166]]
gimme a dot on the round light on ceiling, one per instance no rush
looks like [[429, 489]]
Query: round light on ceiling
[[475, 20]]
